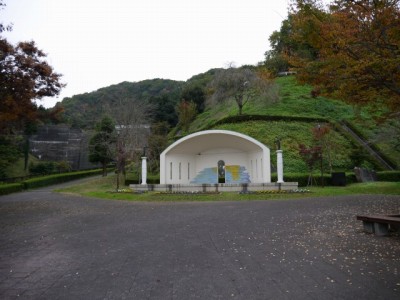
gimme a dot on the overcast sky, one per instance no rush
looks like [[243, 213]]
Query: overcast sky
[[96, 43]]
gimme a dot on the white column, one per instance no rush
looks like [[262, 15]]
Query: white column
[[279, 165], [144, 170]]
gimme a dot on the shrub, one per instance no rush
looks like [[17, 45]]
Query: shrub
[[134, 179], [42, 168], [302, 178], [9, 188], [389, 176]]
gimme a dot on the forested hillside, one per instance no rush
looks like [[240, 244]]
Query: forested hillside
[[85, 110]]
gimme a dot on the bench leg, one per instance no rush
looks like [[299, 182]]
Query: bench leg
[[381, 229], [368, 227], [395, 227]]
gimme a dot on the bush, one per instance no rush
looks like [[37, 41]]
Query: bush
[[9, 188], [302, 178], [393, 176], [42, 168], [134, 179]]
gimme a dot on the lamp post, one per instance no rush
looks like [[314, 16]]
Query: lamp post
[[144, 166], [279, 162], [118, 155], [320, 154]]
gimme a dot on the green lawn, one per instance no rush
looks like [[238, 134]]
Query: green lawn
[[105, 188]]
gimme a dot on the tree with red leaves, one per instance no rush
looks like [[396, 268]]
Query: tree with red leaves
[[310, 156], [25, 76]]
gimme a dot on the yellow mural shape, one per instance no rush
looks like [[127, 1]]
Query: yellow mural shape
[[234, 170]]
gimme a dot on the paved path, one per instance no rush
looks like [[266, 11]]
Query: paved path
[[55, 246]]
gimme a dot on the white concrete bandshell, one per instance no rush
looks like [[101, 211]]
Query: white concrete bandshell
[[182, 161]]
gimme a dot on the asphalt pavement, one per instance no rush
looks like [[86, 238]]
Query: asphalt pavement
[[58, 246]]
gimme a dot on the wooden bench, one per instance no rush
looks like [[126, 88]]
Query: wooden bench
[[380, 224]]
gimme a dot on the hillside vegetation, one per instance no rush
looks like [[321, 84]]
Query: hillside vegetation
[[291, 118], [295, 101], [85, 110]]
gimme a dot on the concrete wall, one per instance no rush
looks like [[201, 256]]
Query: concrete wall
[[61, 143]]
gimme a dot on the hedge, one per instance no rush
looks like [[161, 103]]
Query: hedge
[[393, 176], [246, 118], [9, 188], [151, 179], [45, 181], [57, 178], [302, 178]]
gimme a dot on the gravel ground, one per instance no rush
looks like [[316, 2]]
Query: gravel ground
[[55, 246]]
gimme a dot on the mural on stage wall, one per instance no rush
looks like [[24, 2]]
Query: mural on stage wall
[[234, 174]]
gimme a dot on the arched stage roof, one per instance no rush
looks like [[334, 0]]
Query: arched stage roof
[[211, 139]]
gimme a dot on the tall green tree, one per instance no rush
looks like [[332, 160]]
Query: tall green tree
[[102, 144], [280, 43], [164, 109], [195, 94]]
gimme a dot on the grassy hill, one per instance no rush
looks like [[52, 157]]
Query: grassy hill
[[297, 103]]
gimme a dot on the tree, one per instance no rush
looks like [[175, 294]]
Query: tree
[[9, 153], [133, 126], [158, 141], [280, 43], [164, 109], [102, 144], [241, 84], [25, 76], [357, 49], [195, 94], [186, 111], [311, 157], [322, 135]]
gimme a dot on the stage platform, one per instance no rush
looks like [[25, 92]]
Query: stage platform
[[218, 187]]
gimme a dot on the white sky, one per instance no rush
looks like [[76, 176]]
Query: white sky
[[96, 43]]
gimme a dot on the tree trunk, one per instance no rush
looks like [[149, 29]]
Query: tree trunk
[[240, 108], [104, 170], [26, 152]]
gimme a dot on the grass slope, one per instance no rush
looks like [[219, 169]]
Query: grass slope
[[295, 100], [292, 134], [18, 169]]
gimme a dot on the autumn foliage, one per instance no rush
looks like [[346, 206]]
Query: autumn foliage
[[25, 76], [349, 49]]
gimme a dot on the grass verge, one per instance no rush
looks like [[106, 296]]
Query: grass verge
[[104, 188]]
